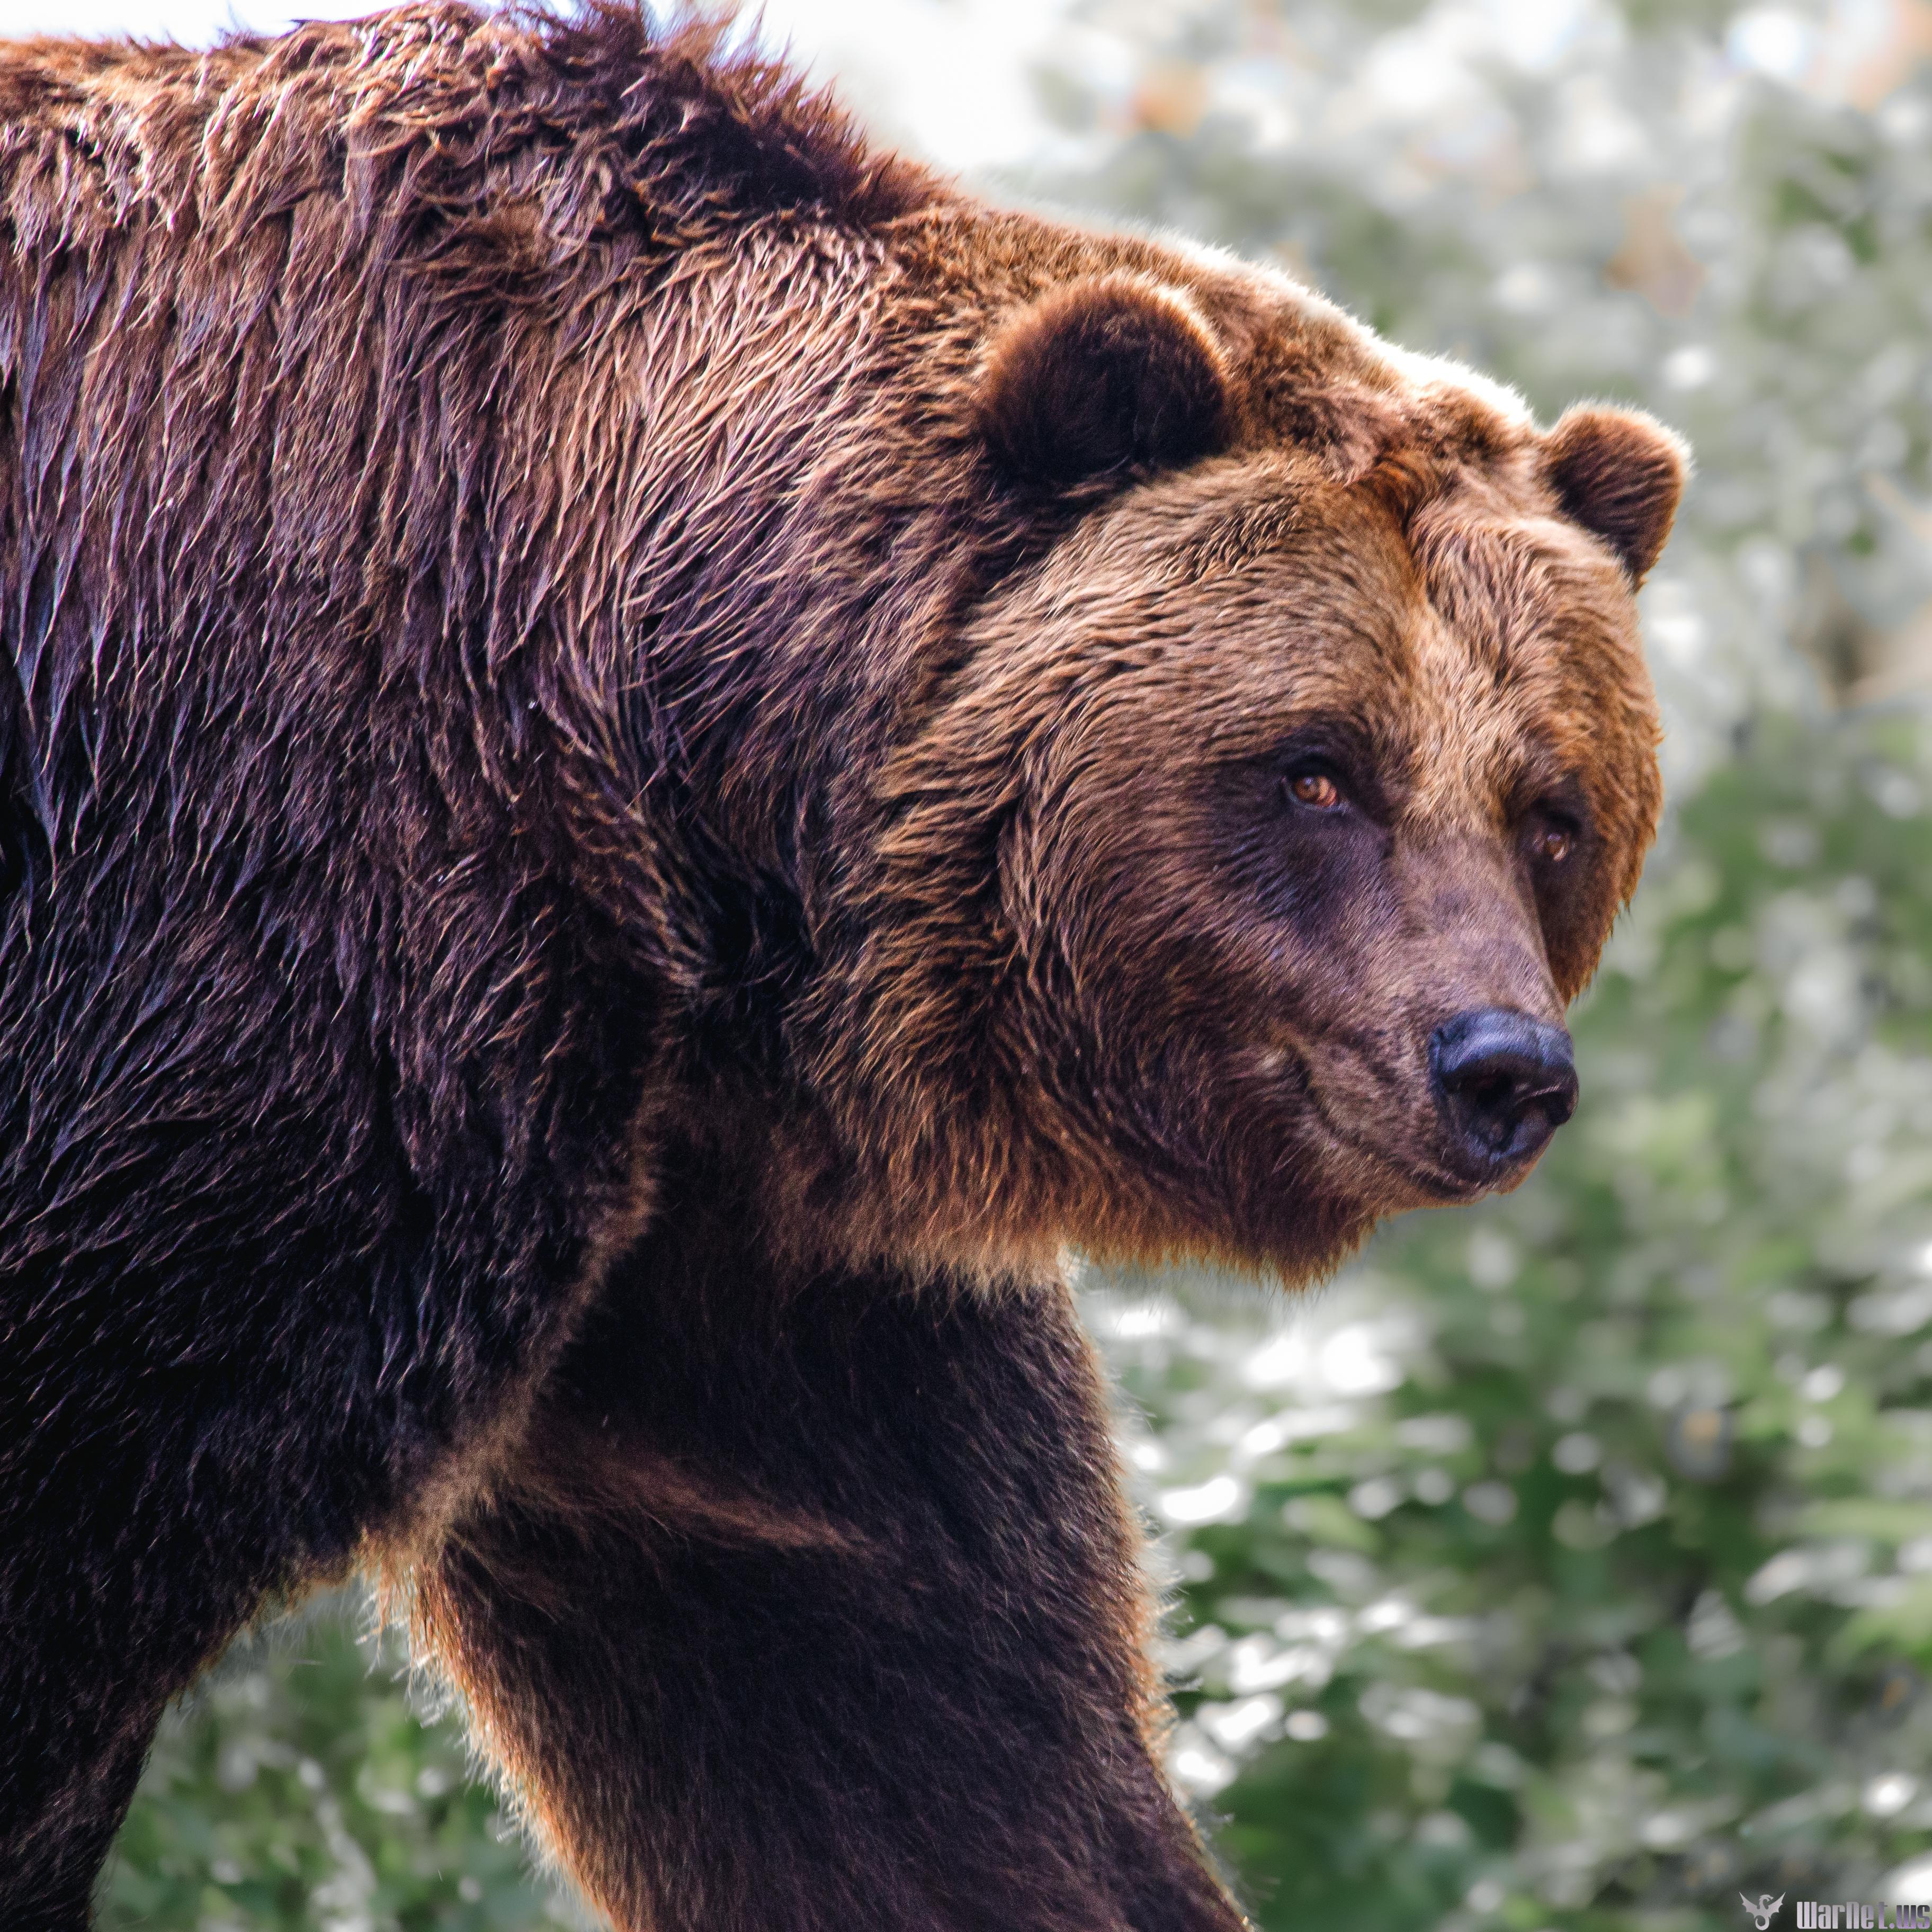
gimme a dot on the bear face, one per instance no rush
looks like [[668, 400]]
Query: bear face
[[1232, 891]]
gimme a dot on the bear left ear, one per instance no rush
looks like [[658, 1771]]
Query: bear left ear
[[1104, 375], [1619, 473]]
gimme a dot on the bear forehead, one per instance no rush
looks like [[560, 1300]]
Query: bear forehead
[[1472, 644]]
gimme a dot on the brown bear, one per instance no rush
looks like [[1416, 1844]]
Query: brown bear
[[645, 755]]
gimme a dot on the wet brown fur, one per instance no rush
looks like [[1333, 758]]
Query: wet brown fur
[[642, 761]]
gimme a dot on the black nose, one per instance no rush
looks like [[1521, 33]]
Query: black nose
[[1506, 1081]]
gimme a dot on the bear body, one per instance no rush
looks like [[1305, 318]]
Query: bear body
[[644, 755]]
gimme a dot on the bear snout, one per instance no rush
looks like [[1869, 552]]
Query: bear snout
[[1504, 1082]]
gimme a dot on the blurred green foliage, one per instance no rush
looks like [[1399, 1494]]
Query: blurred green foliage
[[1568, 1562], [300, 1789]]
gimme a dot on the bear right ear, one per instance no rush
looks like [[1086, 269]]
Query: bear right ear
[[1619, 473], [1103, 376]]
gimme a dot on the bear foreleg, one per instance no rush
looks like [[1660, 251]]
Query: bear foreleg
[[819, 1606]]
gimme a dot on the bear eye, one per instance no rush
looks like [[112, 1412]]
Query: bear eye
[[1315, 790], [1553, 842]]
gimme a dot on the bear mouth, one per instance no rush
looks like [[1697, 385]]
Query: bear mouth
[[1425, 1176]]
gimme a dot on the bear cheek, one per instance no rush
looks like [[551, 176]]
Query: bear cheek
[[1577, 903], [1219, 987], [1314, 997], [1576, 922], [1258, 933]]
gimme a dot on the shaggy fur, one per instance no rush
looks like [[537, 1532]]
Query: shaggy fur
[[643, 757]]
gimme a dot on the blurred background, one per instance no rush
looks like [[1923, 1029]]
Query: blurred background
[[1566, 1563]]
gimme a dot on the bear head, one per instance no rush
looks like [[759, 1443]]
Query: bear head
[[1231, 884]]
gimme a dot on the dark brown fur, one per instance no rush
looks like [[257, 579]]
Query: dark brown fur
[[641, 761]]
